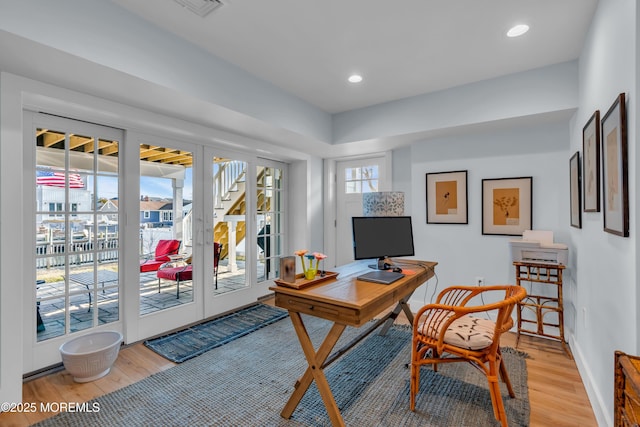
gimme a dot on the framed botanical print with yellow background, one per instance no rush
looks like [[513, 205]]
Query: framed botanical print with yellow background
[[447, 198], [507, 206]]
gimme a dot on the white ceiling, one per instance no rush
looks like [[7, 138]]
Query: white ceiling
[[402, 48]]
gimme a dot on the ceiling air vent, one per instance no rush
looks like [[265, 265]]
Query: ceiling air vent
[[200, 7]]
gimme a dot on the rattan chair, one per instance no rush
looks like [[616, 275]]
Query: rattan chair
[[455, 330]]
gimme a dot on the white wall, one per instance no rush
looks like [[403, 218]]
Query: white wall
[[305, 208], [606, 264], [461, 250]]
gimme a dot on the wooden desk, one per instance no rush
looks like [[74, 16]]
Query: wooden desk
[[345, 301]]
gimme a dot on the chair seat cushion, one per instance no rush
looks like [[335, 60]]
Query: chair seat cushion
[[176, 273], [469, 332]]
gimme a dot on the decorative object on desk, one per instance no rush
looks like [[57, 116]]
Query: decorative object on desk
[[575, 195], [288, 269], [383, 203], [591, 163], [310, 273], [302, 282], [379, 398], [301, 253], [615, 190], [320, 257], [507, 206], [446, 194]]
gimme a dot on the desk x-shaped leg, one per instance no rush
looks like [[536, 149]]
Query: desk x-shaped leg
[[315, 369], [391, 317], [317, 360]]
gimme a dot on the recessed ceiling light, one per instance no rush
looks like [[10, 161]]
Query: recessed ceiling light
[[518, 30], [355, 78]]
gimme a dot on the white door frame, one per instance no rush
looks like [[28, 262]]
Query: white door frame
[[331, 197]]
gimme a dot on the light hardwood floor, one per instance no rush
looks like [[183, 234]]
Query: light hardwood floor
[[556, 393]]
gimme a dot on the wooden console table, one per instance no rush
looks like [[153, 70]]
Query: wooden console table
[[540, 274], [345, 301]]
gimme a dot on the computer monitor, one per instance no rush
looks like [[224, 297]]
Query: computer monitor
[[379, 237]]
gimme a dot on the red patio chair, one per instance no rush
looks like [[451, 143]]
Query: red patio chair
[[161, 255], [185, 272]]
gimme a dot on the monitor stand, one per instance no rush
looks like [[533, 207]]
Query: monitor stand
[[379, 265]]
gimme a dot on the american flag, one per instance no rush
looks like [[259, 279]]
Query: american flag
[[56, 179]]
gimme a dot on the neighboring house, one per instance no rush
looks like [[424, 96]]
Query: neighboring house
[[110, 208], [156, 213], [153, 213]]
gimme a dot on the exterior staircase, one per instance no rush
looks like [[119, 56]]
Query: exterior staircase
[[230, 186]]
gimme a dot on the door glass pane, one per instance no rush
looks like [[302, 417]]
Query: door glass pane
[[166, 189], [76, 232], [229, 224], [269, 217], [361, 179]]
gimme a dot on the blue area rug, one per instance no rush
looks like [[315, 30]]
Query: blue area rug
[[192, 342], [247, 382]]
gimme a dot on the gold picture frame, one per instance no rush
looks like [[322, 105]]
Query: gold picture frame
[[575, 191], [591, 163], [507, 206], [446, 196], [615, 174]]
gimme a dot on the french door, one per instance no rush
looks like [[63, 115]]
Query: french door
[[71, 175], [355, 177], [105, 205], [168, 211], [244, 215]]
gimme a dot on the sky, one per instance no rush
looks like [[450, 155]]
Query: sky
[[161, 187]]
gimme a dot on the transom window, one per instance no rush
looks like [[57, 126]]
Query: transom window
[[361, 179]]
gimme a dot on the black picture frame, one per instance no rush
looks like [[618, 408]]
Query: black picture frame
[[591, 163], [615, 173], [447, 197], [507, 206], [575, 191]]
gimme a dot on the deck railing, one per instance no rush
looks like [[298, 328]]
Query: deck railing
[[52, 254]]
